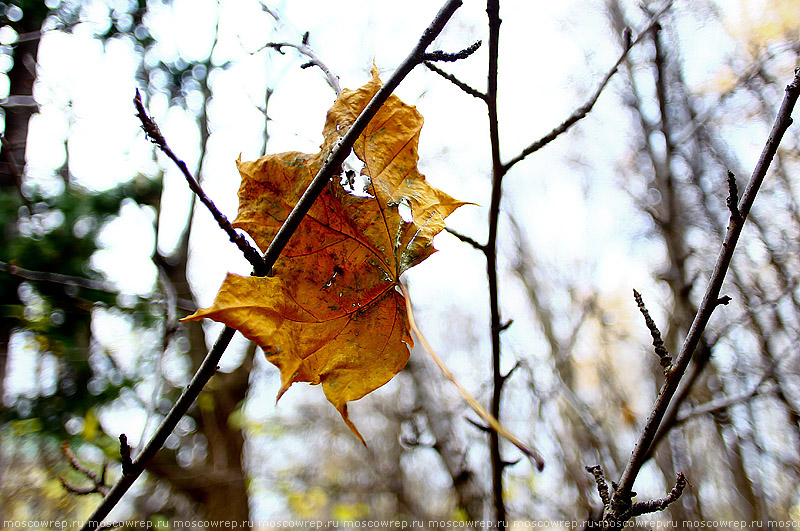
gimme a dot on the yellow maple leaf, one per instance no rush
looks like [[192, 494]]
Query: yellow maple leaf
[[331, 314]]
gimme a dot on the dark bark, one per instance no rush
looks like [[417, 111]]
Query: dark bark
[[17, 109]]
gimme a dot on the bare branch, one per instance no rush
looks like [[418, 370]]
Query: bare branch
[[207, 369], [658, 343], [621, 499], [584, 109], [457, 82], [154, 133], [314, 60]]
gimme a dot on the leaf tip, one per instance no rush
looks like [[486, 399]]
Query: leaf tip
[[196, 316], [375, 73], [346, 418]]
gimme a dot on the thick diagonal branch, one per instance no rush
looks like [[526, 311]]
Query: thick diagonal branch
[[209, 365]]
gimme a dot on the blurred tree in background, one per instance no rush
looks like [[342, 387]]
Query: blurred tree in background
[[84, 357], [53, 293]]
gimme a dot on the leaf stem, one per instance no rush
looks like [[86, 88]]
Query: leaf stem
[[493, 423]]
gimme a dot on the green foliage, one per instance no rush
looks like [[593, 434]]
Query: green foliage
[[58, 235], [24, 15]]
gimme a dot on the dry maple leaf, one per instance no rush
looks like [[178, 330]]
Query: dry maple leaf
[[331, 314]]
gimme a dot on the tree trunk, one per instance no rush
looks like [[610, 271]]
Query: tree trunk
[[17, 108]]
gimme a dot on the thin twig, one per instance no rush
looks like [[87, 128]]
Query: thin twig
[[715, 406], [466, 239], [209, 365], [621, 500], [660, 504], [478, 426], [600, 481], [661, 351], [304, 49], [77, 282], [271, 11], [584, 109], [98, 485], [57, 278], [449, 57], [314, 60], [455, 81], [155, 136]]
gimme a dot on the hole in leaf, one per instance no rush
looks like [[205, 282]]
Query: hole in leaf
[[405, 212], [352, 179]]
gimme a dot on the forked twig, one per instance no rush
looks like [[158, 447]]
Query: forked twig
[[638, 508], [305, 49], [98, 482], [313, 60]]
